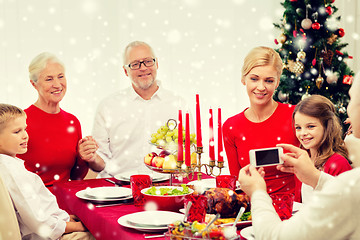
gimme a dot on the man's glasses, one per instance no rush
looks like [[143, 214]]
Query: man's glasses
[[148, 62]]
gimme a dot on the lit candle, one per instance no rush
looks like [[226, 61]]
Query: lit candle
[[211, 136], [220, 142], [180, 139], [187, 140], [198, 123]]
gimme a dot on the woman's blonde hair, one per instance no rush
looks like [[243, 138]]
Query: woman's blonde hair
[[262, 56], [9, 112], [320, 107], [39, 63]]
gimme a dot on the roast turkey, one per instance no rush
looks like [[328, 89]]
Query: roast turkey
[[225, 201]]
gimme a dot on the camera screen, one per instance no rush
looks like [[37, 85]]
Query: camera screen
[[267, 157]]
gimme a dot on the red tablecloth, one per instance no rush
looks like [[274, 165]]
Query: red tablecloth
[[101, 222]]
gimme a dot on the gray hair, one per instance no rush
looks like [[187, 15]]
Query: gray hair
[[135, 44], [39, 63]]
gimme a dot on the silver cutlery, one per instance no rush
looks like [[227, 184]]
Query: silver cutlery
[[197, 234], [111, 181], [187, 210], [111, 205], [241, 212], [154, 236]]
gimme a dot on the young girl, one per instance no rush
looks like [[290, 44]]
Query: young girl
[[319, 131]]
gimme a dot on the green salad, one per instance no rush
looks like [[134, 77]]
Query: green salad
[[164, 191]]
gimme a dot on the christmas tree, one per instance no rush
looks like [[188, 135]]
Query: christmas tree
[[312, 52]]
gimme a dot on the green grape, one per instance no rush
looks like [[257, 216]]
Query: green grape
[[153, 139], [168, 139]]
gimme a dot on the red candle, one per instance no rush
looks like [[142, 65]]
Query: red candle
[[220, 142], [211, 136], [198, 123], [187, 140], [180, 139]]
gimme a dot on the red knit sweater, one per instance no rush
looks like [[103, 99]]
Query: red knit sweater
[[52, 147], [242, 135]]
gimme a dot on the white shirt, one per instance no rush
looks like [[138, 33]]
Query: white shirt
[[124, 123], [332, 213], [37, 211]]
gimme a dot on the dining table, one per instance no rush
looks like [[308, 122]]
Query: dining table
[[102, 222]]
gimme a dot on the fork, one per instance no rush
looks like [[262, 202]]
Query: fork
[[197, 234]]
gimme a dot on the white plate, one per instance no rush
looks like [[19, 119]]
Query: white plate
[[108, 192], [247, 233], [156, 177], [148, 217], [83, 195]]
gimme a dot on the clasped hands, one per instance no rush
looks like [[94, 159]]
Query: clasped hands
[[87, 149], [296, 161]]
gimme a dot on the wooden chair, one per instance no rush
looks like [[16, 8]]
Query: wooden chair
[[9, 227]]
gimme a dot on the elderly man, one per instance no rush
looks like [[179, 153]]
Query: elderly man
[[125, 120]]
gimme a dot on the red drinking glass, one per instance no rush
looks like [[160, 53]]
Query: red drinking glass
[[197, 210], [283, 204], [139, 182], [226, 181]]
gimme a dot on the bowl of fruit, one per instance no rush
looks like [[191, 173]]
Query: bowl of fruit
[[167, 198], [165, 161]]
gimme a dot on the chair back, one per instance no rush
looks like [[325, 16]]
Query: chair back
[[9, 226]]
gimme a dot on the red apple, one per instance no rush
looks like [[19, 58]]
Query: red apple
[[157, 162], [164, 153], [149, 157]]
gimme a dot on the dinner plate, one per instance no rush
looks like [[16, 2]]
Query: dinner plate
[[156, 177], [108, 192], [206, 184], [150, 221], [247, 233], [83, 195]]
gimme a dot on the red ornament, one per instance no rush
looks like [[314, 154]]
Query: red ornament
[[332, 1], [329, 10], [313, 61], [341, 32], [296, 0], [276, 41], [338, 52], [315, 26], [294, 33], [348, 79], [350, 57]]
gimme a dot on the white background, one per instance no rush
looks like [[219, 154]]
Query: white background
[[200, 45]]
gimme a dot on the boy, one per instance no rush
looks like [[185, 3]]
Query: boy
[[37, 211]]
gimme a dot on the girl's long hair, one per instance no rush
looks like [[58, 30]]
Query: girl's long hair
[[320, 107]]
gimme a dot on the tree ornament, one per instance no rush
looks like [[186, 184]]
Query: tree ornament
[[293, 0], [301, 55], [331, 77], [342, 110], [306, 95], [319, 81], [327, 56], [282, 38], [313, 62], [332, 39], [296, 67], [299, 11], [340, 32], [329, 10], [306, 23], [348, 79], [315, 26], [283, 97]]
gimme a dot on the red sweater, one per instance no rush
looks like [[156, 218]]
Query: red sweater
[[52, 147], [335, 165], [242, 135]]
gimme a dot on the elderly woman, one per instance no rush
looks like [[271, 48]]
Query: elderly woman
[[56, 150]]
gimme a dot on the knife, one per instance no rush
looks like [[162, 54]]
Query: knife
[[111, 181]]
